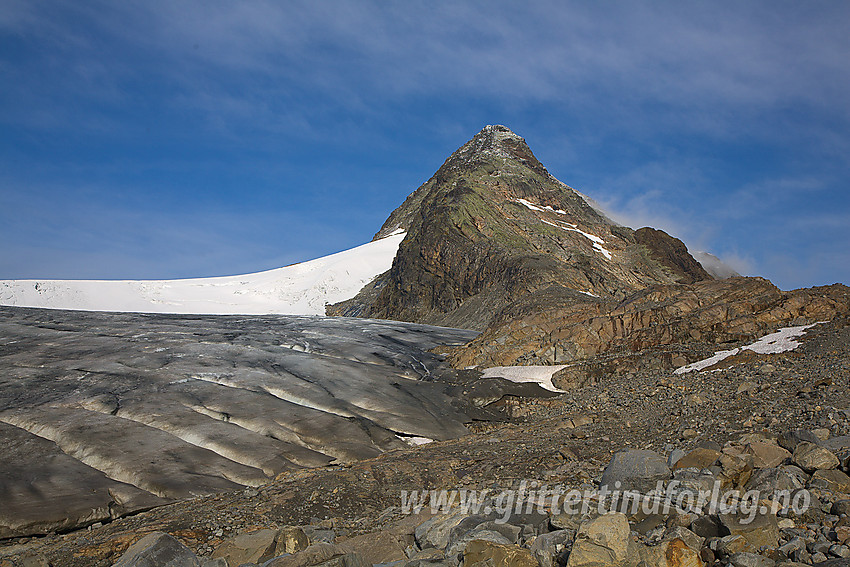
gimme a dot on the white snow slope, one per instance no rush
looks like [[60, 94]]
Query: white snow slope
[[300, 289], [782, 340], [540, 374]]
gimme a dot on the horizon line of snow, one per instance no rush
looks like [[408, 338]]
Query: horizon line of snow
[[298, 289]]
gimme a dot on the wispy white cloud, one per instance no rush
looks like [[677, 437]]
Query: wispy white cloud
[[703, 67]]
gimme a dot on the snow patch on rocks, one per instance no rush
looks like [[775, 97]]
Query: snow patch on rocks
[[782, 340], [537, 374]]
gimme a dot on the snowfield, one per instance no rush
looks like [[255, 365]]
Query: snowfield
[[782, 340], [538, 374], [299, 289]]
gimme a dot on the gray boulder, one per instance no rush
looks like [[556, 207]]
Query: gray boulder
[[158, 549], [742, 559], [635, 469], [767, 481], [478, 523], [790, 439], [547, 547], [435, 531]]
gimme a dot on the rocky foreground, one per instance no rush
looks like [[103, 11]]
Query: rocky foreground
[[767, 423]]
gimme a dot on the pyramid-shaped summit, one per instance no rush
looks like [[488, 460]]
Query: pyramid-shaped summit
[[496, 141], [492, 228]]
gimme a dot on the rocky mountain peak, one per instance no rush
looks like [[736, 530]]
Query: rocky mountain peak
[[492, 226], [498, 146], [493, 140]]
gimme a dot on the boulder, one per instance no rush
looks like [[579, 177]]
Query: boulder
[[489, 554], [694, 481], [670, 553], [841, 507], [253, 547], [706, 527], [837, 444], [766, 454], [674, 457], [604, 541], [767, 481], [635, 469], [689, 538], [480, 521], [759, 530], [435, 531], [319, 535], [794, 544], [482, 532], [547, 547], [735, 470], [790, 439], [731, 544], [565, 520], [290, 539], [158, 549], [811, 457], [833, 480], [700, 458]]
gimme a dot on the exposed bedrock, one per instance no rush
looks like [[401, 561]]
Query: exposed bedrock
[[688, 320], [107, 414]]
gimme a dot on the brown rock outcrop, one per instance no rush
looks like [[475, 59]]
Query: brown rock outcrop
[[672, 253], [706, 313]]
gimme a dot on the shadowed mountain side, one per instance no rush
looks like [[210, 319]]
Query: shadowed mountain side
[[672, 253]]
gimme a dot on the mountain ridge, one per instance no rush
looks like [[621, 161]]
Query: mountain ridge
[[491, 225], [495, 243]]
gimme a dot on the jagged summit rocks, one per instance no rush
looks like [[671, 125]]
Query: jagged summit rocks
[[492, 227], [496, 141]]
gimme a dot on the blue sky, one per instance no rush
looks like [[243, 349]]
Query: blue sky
[[178, 139]]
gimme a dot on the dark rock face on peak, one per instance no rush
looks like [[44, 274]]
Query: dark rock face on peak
[[672, 253], [492, 226]]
